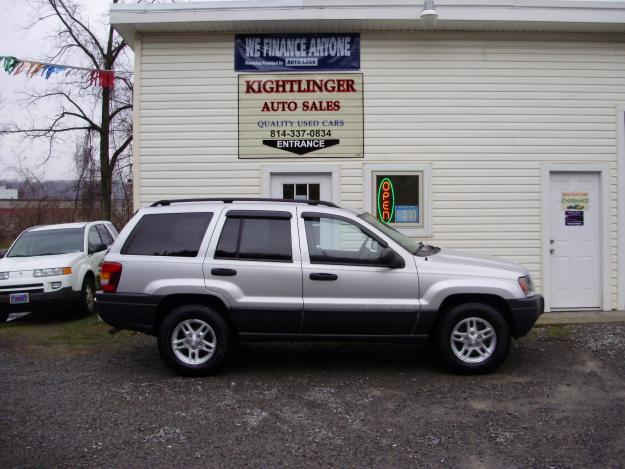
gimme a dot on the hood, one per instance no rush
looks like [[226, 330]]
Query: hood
[[449, 261], [14, 264]]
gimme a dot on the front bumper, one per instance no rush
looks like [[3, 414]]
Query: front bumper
[[41, 301], [524, 312]]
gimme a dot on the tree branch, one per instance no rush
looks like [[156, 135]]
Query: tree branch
[[74, 18], [71, 32], [120, 150], [74, 103], [120, 109]]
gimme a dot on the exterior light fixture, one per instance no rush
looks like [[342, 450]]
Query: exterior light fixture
[[429, 15]]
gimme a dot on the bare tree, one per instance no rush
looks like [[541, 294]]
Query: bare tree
[[101, 112]]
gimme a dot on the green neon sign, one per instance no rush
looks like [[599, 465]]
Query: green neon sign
[[386, 200]]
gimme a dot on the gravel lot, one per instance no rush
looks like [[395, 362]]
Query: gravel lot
[[559, 401]]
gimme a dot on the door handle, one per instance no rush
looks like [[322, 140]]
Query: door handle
[[323, 276], [224, 272]]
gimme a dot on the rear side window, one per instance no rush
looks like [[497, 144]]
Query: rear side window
[[260, 239], [168, 234]]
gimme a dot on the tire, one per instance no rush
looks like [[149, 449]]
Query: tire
[[194, 326], [86, 301], [4, 317], [473, 338]]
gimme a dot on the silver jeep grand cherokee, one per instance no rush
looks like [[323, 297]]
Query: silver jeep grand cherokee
[[200, 273]]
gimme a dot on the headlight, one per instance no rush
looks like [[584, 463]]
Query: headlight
[[4, 275], [52, 271], [526, 285]]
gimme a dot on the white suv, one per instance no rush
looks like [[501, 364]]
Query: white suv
[[54, 266]]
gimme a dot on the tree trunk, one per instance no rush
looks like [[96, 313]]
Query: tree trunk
[[105, 170]]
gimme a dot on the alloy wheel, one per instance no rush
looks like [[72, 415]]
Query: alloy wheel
[[473, 340], [193, 341]]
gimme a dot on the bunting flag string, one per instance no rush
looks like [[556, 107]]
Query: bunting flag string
[[30, 68]]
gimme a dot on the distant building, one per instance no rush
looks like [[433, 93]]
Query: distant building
[[6, 193]]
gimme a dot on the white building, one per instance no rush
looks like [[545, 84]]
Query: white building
[[498, 129], [6, 193]]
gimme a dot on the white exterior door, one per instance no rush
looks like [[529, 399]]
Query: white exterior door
[[575, 240], [302, 186]]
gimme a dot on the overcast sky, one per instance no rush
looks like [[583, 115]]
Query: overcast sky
[[32, 44]]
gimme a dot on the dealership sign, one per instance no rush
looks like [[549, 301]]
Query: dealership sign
[[290, 115], [296, 52]]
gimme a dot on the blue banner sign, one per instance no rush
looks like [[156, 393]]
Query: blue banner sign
[[296, 52]]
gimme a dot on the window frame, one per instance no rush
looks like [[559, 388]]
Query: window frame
[[424, 171]]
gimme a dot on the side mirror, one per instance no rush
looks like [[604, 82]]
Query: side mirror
[[391, 259], [97, 248], [3, 253]]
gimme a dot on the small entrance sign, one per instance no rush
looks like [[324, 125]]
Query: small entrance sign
[[574, 218], [575, 200]]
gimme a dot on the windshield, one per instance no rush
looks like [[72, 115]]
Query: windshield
[[48, 243], [410, 245], [391, 232]]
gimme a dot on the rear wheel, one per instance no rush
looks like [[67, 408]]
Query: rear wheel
[[473, 338], [4, 317], [194, 340]]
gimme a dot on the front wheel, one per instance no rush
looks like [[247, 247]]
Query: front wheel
[[473, 338], [194, 340], [4, 317], [86, 303]]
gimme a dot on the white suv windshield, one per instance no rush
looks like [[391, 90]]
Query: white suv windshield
[[48, 243]]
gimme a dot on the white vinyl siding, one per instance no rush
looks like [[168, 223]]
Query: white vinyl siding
[[484, 112]]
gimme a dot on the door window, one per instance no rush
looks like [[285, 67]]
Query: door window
[[94, 239], [105, 235], [338, 241], [258, 239]]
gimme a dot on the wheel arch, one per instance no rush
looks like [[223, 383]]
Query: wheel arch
[[170, 302], [452, 301]]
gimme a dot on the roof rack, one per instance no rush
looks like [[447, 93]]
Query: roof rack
[[229, 200]]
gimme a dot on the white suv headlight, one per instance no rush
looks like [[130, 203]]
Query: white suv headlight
[[52, 271], [4, 275]]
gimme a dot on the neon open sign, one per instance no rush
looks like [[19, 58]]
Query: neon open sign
[[386, 200]]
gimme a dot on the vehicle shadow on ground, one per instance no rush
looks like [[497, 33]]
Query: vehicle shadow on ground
[[328, 358], [298, 359], [331, 356], [44, 317]]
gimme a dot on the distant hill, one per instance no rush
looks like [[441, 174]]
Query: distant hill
[[55, 190]]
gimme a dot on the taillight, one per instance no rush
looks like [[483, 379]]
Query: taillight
[[109, 278]]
